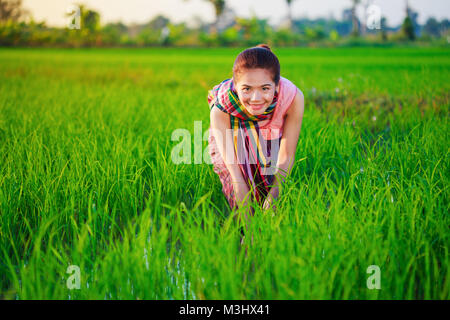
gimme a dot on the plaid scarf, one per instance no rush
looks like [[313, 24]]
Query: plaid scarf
[[248, 146]]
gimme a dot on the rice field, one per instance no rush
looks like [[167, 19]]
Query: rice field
[[87, 179]]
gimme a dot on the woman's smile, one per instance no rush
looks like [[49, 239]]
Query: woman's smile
[[257, 107]]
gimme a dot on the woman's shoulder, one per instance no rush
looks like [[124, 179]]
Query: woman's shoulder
[[288, 92], [219, 117], [218, 95], [288, 85]]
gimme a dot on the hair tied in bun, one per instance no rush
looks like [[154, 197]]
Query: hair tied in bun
[[265, 46], [257, 57]]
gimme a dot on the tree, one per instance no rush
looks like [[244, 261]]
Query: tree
[[158, 22], [112, 33], [219, 7], [355, 22], [344, 27], [11, 10], [383, 25], [444, 25], [408, 25], [289, 3], [408, 29], [432, 27], [413, 15], [89, 29], [90, 19]]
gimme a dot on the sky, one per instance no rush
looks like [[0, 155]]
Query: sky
[[140, 11]]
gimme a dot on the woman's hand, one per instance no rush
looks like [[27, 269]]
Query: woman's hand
[[270, 199], [241, 193], [242, 196]]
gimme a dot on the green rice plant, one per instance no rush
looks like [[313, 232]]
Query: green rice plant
[[87, 179]]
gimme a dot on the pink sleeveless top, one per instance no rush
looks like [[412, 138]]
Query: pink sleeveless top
[[270, 129]]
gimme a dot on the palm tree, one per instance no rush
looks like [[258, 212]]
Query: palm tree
[[289, 3], [408, 25], [355, 29], [219, 7]]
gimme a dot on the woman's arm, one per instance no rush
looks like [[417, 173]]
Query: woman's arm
[[288, 145], [221, 130]]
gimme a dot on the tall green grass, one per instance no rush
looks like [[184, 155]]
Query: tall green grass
[[86, 178]]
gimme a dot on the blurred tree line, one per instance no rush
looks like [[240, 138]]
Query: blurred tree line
[[18, 28]]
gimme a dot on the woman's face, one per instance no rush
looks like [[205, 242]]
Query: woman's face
[[255, 89]]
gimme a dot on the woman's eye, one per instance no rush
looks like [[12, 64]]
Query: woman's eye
[[248, 89]]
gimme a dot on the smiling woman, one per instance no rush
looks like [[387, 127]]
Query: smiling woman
[[256, 90], [261, 113]]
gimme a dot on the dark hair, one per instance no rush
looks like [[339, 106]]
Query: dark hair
[[258, 57]]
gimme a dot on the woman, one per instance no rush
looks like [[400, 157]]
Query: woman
[[255, 123]]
